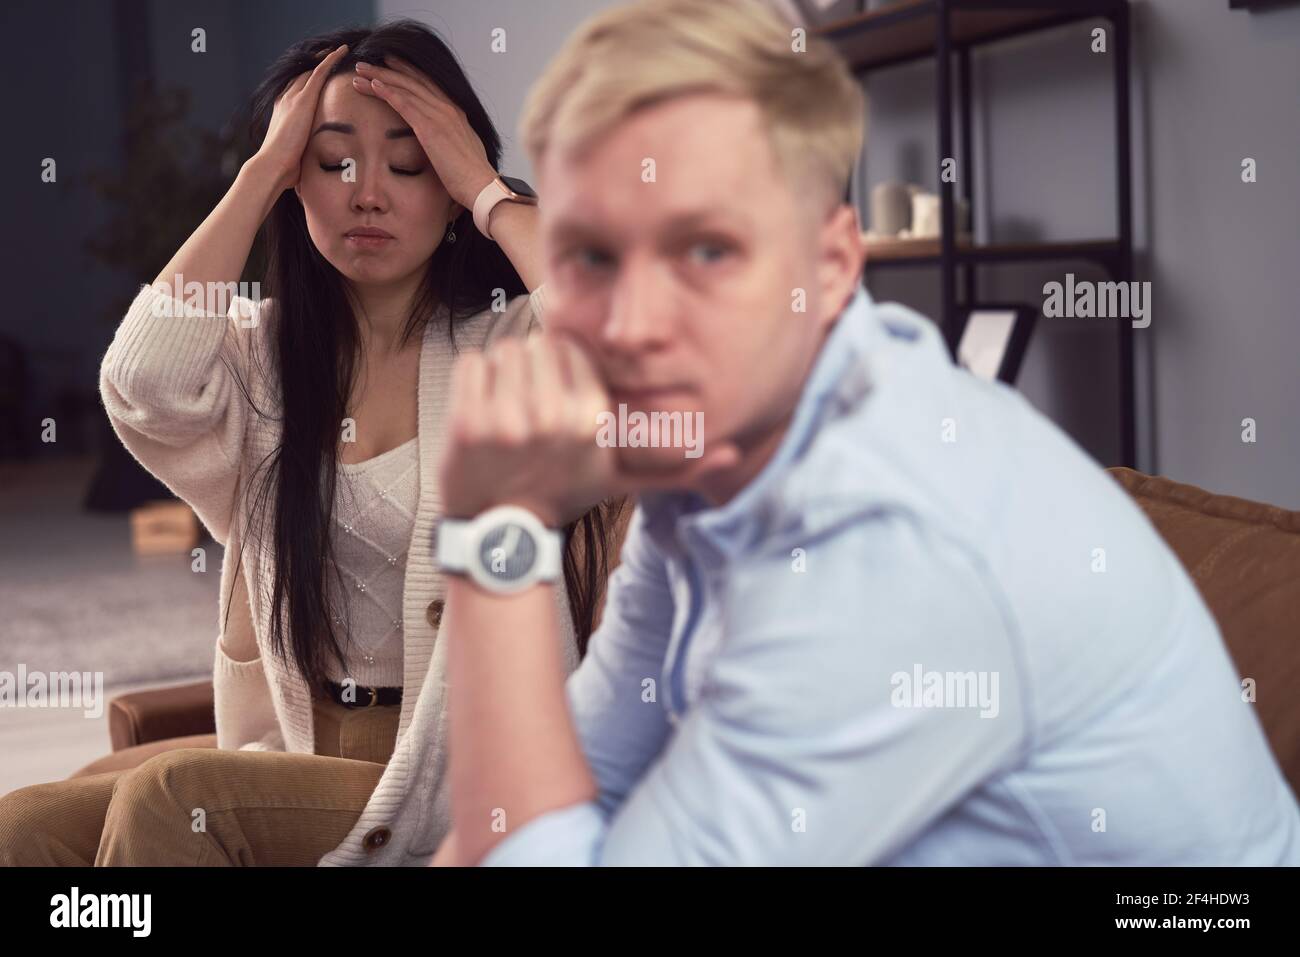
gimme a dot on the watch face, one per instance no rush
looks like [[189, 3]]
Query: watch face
[[508, 552], [519, 186]]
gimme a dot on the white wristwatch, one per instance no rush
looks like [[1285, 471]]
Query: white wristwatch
[[505, 550], [501, 189]]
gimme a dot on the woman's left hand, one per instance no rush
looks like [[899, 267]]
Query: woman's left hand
[[454, 149]]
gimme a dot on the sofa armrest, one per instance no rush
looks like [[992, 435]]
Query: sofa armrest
[[158, 713], [1244, 558]]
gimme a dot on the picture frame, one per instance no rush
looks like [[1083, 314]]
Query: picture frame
[[994, 340]]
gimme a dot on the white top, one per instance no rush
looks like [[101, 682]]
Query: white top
[[374, 515]]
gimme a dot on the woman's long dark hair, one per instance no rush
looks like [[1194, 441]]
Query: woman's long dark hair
[[314, 339]]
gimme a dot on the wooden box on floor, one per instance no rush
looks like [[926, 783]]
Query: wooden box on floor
[[164, 528]]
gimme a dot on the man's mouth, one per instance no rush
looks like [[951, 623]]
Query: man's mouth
[[646, 397]]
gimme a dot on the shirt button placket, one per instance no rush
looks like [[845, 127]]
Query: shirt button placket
[[697, 554]]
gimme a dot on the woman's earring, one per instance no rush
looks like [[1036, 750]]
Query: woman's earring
[[451, 232]]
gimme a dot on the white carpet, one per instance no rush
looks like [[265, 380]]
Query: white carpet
[[75, 597]]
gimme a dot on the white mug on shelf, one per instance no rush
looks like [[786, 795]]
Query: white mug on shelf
[[891, 208], [927, 216]]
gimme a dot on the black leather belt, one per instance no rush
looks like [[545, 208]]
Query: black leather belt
[[363, 696]]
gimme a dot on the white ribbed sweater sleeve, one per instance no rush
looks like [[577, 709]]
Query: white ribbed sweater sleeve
[[243, 707], [246, 718], [174, 402], [242, 699], [172, 399]]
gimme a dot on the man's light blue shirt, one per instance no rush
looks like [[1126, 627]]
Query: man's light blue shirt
[[930, 631]]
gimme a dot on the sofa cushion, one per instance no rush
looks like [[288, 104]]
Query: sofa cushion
[[1244, 557]]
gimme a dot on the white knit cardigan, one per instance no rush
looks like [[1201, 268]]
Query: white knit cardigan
[[167, 386]]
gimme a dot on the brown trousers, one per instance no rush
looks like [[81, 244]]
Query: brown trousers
[[206, 807]]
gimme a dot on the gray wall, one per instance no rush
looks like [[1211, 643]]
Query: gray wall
[[1223, 254], [72, 57], [534, 33], [1210, 86]]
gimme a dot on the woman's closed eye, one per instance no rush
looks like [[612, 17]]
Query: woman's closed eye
[[399, 170]]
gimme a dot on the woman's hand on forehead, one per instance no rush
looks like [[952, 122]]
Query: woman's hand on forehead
[[441, 127]]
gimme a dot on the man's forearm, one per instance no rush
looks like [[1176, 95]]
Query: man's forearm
[[514, 753]]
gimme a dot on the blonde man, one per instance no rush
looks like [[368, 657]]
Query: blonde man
[[854, 622]]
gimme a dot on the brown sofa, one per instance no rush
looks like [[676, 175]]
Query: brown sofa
[[1243, 556]]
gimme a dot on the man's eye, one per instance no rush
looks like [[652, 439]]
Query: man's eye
[[707, 253], [337, 167], [406, 172], [589, 258]]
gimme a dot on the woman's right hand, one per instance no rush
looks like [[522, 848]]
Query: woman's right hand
[[217, 251], [291, 119]]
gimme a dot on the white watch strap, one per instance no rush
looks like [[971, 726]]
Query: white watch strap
[[453, 538], [550, 557], [491, 194], [457, 537]]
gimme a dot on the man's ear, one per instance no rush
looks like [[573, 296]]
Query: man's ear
[[840, 259]]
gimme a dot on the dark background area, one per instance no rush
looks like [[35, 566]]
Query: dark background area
[[147, 134]]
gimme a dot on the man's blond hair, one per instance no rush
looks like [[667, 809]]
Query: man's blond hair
[[648, 51]]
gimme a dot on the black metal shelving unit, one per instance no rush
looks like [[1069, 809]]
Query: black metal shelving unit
[[922, 29]]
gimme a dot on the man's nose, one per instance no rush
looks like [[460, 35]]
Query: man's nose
[[638, 308]]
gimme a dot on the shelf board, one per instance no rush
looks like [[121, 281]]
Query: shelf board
[[908, 31], [920, 252]]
